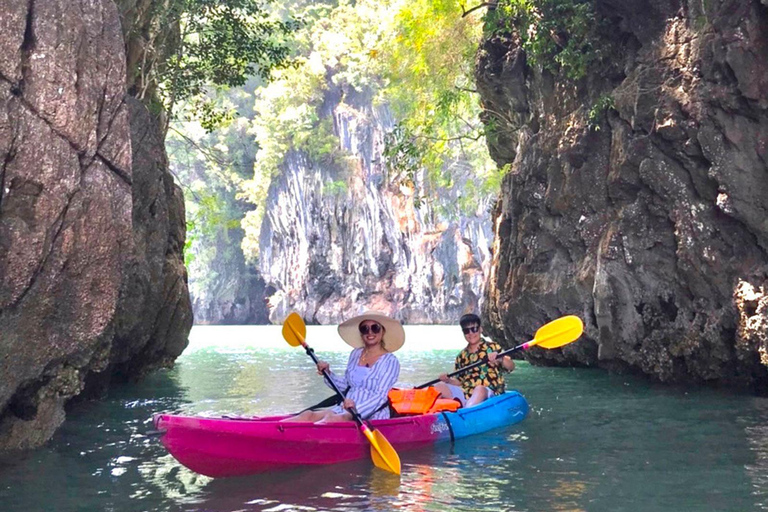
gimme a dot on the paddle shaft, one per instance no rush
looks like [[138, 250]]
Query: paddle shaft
[[311, 352], [479, 363], [328, 402]]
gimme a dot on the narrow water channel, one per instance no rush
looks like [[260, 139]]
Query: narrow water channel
[[592, 442]]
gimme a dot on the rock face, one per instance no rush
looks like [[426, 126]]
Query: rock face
[[154, 314], [338, 239], [239, 296], [76, 272], [653, 227]]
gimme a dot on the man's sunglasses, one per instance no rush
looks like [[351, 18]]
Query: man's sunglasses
[[373, 328], [467, 330]]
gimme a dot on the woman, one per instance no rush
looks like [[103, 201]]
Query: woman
[[371, 371]]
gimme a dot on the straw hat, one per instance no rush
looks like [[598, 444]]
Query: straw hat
[[394, 337]]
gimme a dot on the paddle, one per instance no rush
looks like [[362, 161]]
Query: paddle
[[383, 454], [555, 334], [328, 402]]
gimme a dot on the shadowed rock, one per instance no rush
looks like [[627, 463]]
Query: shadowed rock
[[653, 228]]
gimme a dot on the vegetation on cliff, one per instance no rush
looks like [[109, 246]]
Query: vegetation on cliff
[[391, 52], [394, 54]]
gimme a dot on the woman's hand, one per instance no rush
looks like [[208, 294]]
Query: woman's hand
[[444, 378], [492, 361], [322, 366], [348, 404]]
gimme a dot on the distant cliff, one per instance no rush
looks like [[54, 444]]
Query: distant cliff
[[339, 238], [646, 218], [92, 285]]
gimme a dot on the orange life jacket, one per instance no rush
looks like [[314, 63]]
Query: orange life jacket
[[420, 401], [444, 404]]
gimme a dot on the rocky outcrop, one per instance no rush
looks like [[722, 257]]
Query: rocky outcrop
[[339, 238], [154, 314], [237, 297], [80, 246], [651, 225]]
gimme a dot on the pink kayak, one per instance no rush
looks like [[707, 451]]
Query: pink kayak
[[220, 447]]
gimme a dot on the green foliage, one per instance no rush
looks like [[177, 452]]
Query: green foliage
[[335, 188], [215, 43], [558, 35], [603, 104], [211, 167], [428, 62], [286, 119], [415, 56], [402, 152]]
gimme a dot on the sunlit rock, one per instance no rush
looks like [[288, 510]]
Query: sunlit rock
[[91, 280], [340, 239]]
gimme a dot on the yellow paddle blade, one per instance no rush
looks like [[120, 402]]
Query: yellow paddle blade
[[383, 454], [294, 330], [558, 332]]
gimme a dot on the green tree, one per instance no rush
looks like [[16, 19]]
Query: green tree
[[184, 47], [561, 36]]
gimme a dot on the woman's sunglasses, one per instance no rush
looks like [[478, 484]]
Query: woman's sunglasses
[[373, 328], [467, 330]]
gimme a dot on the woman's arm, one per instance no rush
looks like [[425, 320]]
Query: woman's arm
[[341, 382]]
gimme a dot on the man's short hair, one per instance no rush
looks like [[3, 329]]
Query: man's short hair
[[469, 319]]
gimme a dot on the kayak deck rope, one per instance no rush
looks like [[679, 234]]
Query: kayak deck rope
[[450, 428]]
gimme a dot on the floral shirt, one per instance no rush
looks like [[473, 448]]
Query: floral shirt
[[484, 374]]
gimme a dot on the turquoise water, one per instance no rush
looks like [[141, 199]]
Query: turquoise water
[[592, 442]]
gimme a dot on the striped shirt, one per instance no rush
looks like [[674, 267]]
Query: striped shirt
[[371, 393]]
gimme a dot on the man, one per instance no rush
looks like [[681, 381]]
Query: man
[[481, 383]]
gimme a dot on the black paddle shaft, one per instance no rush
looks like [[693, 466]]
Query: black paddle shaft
[[329, 380], [473, 365]]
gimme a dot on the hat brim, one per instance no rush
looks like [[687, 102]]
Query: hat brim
[[394, 335]]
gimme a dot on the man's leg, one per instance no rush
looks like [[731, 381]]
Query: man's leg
[[479, 395]]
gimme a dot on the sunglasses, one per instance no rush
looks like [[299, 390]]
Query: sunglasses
[[467, 330], [373, 328]]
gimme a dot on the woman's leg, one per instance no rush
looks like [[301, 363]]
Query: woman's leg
[[332, 417], [308, 416], [479, 394]]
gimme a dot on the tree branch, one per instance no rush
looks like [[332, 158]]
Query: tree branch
[[490, 5]]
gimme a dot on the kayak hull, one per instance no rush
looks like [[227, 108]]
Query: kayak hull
[[221, 447]]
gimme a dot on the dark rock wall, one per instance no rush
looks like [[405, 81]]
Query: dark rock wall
[[65, 206], [154, 311], [653, 227], [91, 281]]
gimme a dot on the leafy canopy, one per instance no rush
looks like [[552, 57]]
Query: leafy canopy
[[561, 36], [214, 43]]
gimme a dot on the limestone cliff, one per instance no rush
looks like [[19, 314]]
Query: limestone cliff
[[91, 225], [237, 295], [651, 225], [339, 238]]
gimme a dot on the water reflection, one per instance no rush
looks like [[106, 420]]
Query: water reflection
[[757, 437]]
